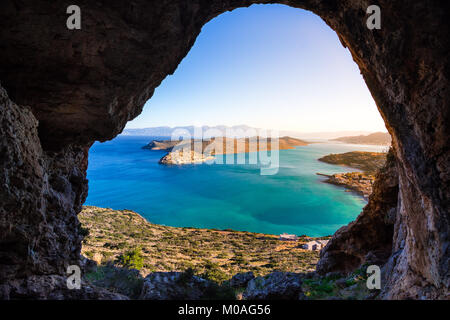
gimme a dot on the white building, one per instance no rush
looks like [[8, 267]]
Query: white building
[[315, 245]]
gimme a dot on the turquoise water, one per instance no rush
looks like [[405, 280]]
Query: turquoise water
[[295, 200]]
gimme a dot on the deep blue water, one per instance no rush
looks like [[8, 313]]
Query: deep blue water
[[295, 200]]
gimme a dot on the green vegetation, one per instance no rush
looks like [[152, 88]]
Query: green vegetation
[[118, 280], [221, 292], [318, 289], [132, 259], [352, 287], [214, 273], [218, 290], [122, 242], [128, 240]]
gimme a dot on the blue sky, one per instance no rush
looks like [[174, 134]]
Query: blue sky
[[267, 66]]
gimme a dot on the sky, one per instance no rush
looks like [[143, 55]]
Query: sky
[[266, 66]]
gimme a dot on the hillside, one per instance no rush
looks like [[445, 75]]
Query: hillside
[[369, 162], [112, 233], [140, 260], [377, 138]]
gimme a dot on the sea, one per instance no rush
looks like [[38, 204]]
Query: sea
[[295, 200]]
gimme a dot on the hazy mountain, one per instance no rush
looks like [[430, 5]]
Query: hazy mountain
[[321, 135], [167, 132], [191, 130], [377, 138]]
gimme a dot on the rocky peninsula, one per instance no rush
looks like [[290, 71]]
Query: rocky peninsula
[[354, 181], [191, 151], [360, 182]]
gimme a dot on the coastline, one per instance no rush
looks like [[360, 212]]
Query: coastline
[[361, 181], [357, 182]]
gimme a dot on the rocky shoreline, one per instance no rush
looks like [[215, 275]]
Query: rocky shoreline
[[360, 182], [181, 158], [354, 181]]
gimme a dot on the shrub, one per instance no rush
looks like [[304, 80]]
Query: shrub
[[124, 281], [318, 289], [213, 272], [132, 259], [220, 292]]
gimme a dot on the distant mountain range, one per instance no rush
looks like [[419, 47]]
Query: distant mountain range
[[221, 131], [377, 138], [193, 131]]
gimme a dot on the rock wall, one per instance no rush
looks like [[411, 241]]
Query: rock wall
[[41, 194], [84, 85], [368, 239]]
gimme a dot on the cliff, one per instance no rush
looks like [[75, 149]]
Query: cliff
[[368, 239]]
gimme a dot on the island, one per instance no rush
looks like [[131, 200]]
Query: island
[[360, 182], [191, 151], [377, 138]]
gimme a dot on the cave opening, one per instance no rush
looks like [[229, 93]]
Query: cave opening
[[247, 69], [84, 86]]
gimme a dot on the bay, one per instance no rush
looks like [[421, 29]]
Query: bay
[[122, 175]]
